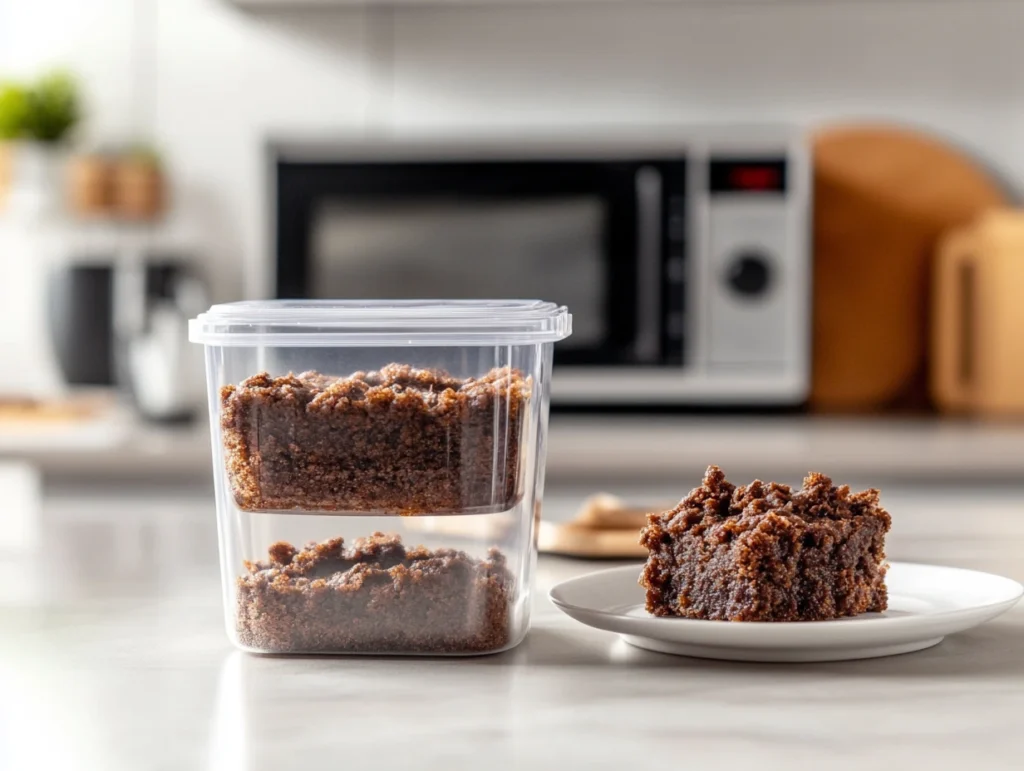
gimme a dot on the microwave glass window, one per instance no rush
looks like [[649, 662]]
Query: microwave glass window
[[459, 249]]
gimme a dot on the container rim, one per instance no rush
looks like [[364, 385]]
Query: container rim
[[313, 323]]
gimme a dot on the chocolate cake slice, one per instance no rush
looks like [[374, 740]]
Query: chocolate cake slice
[[374, 596], [766, 552], [399, 440]]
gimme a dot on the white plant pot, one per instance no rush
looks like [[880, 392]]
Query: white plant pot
[[30, 236], [35, 180]]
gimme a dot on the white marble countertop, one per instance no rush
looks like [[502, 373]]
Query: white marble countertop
[[581, 446], [113, 656]]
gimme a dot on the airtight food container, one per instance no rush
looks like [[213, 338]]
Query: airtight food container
[[379, 469]]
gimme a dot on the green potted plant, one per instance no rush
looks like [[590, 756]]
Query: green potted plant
[[35, 121]]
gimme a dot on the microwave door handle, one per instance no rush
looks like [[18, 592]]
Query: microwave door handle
[[647, 345]]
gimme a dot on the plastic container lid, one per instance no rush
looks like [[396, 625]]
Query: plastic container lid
[[308, 323]]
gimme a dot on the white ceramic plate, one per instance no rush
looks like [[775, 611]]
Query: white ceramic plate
[[926, 602]]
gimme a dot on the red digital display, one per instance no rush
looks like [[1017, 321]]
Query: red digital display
[[754, 177]]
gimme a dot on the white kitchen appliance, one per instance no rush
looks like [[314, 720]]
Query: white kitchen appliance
[[683, 254]]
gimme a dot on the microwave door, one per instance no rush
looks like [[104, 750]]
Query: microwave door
[[563, 231], [466, 249]]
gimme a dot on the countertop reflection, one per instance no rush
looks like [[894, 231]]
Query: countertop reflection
[[113, 655]]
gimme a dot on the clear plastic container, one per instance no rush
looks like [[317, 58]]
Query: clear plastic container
[[379, 468]]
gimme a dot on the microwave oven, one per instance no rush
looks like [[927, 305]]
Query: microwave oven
[[683, 256]]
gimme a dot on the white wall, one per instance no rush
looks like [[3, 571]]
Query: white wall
[[218, 80], [226, 81]]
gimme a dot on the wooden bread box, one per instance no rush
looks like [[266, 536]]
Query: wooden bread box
[[977, 340]]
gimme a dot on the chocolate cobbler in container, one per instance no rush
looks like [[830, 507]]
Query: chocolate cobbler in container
[[337, 424]]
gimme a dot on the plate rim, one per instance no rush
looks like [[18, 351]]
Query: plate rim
[[1018, 589]]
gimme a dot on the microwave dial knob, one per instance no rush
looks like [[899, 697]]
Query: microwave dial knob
[[749, 274]]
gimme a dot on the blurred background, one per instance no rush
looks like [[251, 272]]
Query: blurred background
[[787, 230]]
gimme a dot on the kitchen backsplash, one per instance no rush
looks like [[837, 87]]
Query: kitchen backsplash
[[213, 81]]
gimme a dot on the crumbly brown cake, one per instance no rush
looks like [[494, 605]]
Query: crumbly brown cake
[[764, 552], [405, 440], [374, 597]]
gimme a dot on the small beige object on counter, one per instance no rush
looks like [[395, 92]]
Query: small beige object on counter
[[483, 527], [605, 527], [29, 410]]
